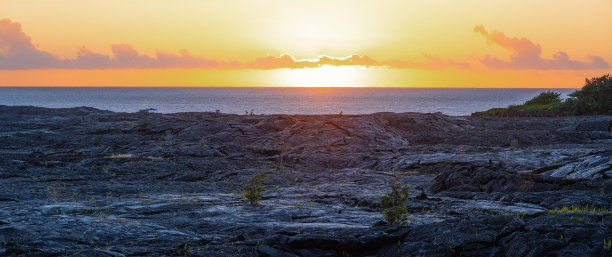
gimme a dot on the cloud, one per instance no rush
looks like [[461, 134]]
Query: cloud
[[288, 61], [127, 57], [17, 52], [527, 55]]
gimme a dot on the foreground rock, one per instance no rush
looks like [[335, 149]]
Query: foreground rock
[[86, 182]]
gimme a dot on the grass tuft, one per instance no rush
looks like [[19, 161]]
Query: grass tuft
[[252, 192], [582, 210]]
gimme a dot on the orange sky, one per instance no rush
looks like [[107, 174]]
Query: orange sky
[[304, 43]]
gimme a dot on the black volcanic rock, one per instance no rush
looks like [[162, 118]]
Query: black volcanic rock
[[87, 182], [479, 179]]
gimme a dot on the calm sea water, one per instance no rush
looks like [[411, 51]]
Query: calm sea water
[[273, 100]]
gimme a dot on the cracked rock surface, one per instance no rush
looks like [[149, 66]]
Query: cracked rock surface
[[87, 182]]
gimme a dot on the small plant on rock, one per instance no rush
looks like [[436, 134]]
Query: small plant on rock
[[252, 191], [202, 143], [394, 202], [514, 144]]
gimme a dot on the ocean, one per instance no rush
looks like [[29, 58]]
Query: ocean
[[451, 101]]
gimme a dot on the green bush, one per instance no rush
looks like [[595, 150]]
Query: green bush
[[394, 202], [396, 214], [594, 98], [547, 97], [495, 112], [397, 197], [252, 192]]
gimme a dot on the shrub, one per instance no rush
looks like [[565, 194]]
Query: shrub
[[252, 192], [395, 211], [397, 197], [547, 97], [395, 214], [594, 98], [496, 112]]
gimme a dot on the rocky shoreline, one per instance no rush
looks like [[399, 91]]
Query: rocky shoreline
[[87, 182]]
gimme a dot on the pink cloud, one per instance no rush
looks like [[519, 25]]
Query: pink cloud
[[17, 52], [527, 55]]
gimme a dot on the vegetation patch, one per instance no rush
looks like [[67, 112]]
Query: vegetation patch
[[252, 192], [586, 209], [394, 202], [595, 98]]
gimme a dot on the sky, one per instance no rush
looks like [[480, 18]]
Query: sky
[[470, 43]]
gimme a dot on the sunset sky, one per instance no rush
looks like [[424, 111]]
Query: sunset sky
[[515, 43]]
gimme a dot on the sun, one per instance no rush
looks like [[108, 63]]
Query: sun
[[312, 28], [324, 76]]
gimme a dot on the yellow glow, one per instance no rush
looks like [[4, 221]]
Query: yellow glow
[[370, 77], [309, 29], [243, 30], [325, 76]]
